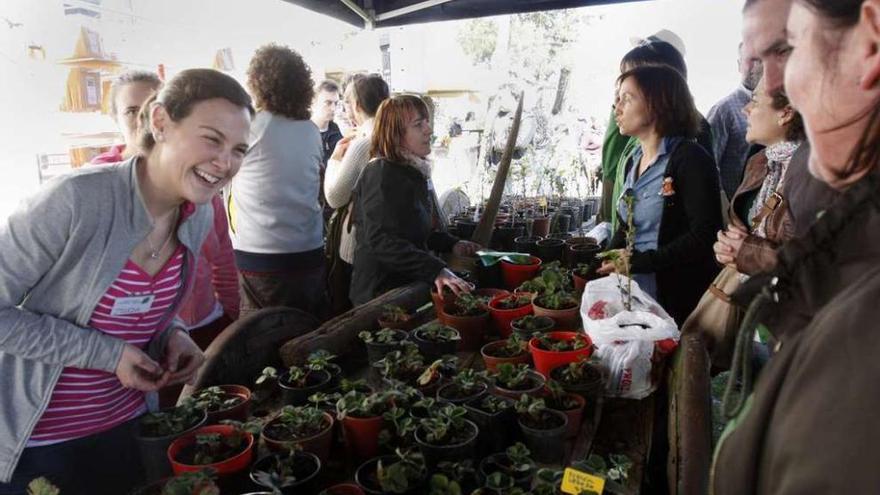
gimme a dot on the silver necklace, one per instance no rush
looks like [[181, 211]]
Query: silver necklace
[[154, 253]]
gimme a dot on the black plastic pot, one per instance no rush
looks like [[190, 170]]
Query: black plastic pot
[[316, 381], [365, 477], [527, 334], [377, 351], [446, 391], [496, 462], [435, 454], [154, 451], [545, 444], [527, 244], [561, 223], [497, 431], [488, 276], [433, 350], [306, 472], [534, 384], [503, 237], [551, 250], [582, 253]]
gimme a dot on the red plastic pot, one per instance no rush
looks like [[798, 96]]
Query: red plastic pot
[[514, 275], [345, 489], [580, 283], [492, 362], [362, 435], [239, 462], [547, 360], [238, 412], [471, 328], [502, 317], [318, 444]]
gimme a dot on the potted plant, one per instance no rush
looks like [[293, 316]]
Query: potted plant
[[583, 273], [424, 407], [299, 382], [548, 482], [361, 417], [190, 483], [436, 339], [469, 315], [465, 386], [223, 448], [446, 436], [323, 360], [265, 385], [498, 484], [527, 326], [572, 405], [615, 470], [561, 305], [342, 489], [394, 317], [441, 300], [408, 366], [398, 429], [493, 415], [42, 486], [403, 472], [308, 427], [506, 308], [294, 472], [381, 342], [224, 402], [157, 430], [461, 474], [559, 348], [527, 244], [516, 462], [551, 249], [512, 350], [440, 484], [516, 270], [325, 401], [513, 380], [583, 254], [580, 377], [543, 429]]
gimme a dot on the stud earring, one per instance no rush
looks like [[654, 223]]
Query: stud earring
[[160, 137]]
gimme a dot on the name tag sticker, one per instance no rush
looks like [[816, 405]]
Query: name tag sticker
[[575, 482], [132, 305]]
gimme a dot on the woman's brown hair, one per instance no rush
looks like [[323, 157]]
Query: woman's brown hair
[[281, 82], [389, 129], [794, 130], [182, 92], [668, 99]]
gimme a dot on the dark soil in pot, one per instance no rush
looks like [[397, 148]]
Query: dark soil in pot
[[368, 480], [550, 250], [153, 447], [306, 468], [432, 349], [499, 462], [526, 244], [376, 351], [459, 449], [451, 392]]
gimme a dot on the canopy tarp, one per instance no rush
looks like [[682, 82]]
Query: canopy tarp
[[382, 13]]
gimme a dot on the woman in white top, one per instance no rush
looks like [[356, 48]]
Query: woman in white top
[[275, 218], [362, 98]]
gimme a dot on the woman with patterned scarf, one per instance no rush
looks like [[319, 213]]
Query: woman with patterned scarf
[[759, 214]]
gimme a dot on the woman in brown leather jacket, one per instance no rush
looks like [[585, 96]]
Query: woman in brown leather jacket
[[759, 214]]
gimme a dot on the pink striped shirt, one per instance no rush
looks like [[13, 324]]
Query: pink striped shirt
[[85, 402]]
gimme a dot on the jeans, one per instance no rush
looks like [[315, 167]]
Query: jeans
[[106, 463]]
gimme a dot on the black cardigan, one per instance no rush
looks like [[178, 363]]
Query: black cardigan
[[684, 261], [394, 232]]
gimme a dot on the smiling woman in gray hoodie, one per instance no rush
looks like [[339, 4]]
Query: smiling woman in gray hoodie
[[93, 270]]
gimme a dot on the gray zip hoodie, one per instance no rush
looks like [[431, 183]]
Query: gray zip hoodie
[[59, 253]]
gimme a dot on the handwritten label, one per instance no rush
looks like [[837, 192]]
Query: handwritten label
[[575, 482]]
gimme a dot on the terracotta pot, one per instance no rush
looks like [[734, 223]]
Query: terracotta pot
[[503, 317], [566, 319], [514, 275], [362, 435], [541, 226], [545, 361], [492, 362], [344, 489], [575, 416], [318, 444], [440, 302], [238, 412], [234, 464], [534, 387], [471, 328]]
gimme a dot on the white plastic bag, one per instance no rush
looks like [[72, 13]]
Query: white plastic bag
[[625, 339]]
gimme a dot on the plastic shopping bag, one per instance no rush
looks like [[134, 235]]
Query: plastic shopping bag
[[626, 341]]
